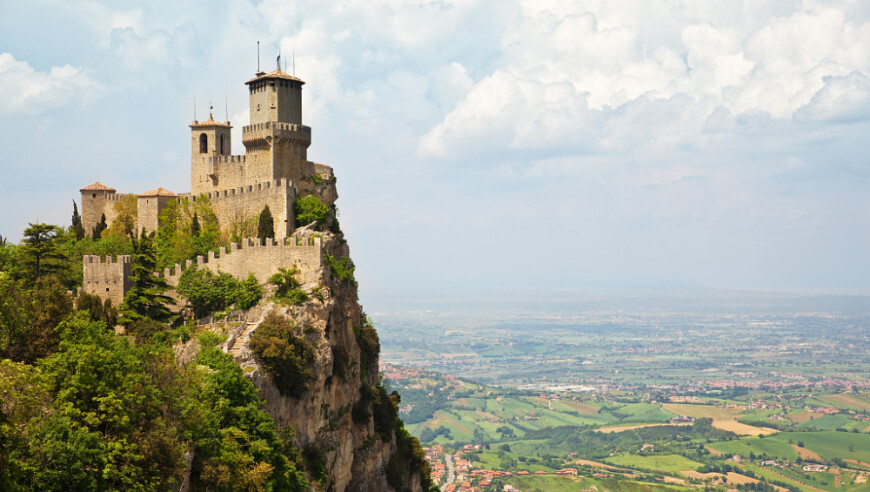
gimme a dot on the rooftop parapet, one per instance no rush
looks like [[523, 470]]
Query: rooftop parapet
[[276, 129], [92, 259]]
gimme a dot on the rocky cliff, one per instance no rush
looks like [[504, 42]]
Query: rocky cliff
[[342, 420]]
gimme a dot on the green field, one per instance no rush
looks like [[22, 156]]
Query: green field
[[828, 444], [668, 463]]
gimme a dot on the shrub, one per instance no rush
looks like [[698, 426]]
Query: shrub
[[310, 209], [369, 348], [288, 286], [280, 351], [342, 268]]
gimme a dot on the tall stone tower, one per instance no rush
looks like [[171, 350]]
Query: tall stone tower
[[276, 140]]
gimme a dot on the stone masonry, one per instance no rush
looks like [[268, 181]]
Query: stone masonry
[[108, 279], [275, 169], [274, 172]]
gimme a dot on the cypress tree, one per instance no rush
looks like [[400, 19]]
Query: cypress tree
[[266, 225], [78, 228], [194, 226], [99, 228]]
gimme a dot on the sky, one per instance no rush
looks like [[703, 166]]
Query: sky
[[484, 147]]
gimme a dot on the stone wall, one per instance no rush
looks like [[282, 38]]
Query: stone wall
[[108, 279], [261, 260], [248, 201]]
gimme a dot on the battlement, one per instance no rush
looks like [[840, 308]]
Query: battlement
[[120, 259], [275, 186], [262, 260], [223, 159], [292, 132], [276, 125]]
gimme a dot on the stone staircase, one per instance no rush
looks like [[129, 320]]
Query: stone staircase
[[242, 340]]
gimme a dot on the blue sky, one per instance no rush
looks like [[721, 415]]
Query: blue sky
[[484, 146]]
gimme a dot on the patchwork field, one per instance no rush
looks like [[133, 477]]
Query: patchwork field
[[725, 419]]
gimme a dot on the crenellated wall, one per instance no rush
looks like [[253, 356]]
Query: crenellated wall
[[261, 260], [248, 201], [109, 279]]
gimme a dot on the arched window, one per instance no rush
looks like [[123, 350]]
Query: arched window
[[203, 143], [222, 145]]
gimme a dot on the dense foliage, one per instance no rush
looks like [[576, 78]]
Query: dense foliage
[[178, 240], [100, 414], [209, 292], [278, 349], [342, 267]]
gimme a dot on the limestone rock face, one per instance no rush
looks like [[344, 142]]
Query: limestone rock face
[[321, 418]]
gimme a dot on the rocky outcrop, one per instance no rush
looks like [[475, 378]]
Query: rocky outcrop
[[322, 417]]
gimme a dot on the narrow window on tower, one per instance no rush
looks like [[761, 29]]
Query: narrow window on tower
[[203, 143], [222, 145]]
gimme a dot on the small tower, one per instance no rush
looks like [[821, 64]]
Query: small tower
[[149, 206], [97, 199], [209, 142]]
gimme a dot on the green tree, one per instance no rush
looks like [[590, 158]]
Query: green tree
[[98, 229], [278, 349], [194, 226], [249, 293], [40, 253], [265, 225], [77, 226], [97, 309], [310, 209], [111, 426], [208, 292], [240, 449], [145, 299]]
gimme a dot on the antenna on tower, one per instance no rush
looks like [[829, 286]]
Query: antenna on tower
[[258, 57], [294, 63], [194, 108], [227, 108]]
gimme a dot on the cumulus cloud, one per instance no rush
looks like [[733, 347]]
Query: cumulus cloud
[[24, 90], [570, 72]]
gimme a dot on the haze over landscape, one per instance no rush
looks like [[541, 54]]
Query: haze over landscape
[[485, 147]]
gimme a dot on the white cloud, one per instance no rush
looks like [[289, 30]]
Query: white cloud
[[24, 90], [570, 71]]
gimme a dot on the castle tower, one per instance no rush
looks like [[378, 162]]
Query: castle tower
[[276, 141], [209, 140], [97, 199], [150, 204]]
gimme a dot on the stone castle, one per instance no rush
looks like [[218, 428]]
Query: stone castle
[[274, 171]]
